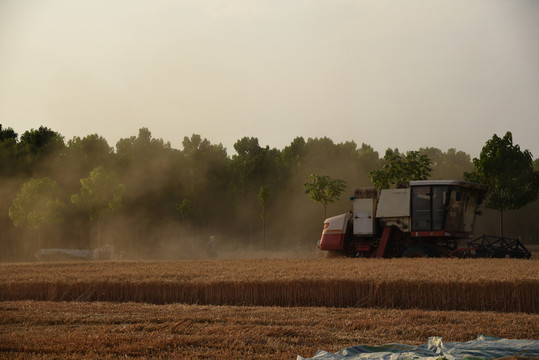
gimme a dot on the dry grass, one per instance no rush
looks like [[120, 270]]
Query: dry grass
[[65, 330], [507, 285]]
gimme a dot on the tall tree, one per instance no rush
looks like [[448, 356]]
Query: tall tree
[[184, 209], [369, 159], [324, 189], [204, 177], [149, 169], [90, 151], [37, 148], [206, 164], [81, 156], [8, 152], [292, 156], [253, 164], [450, 165], [100, 195], [263, 196], [7, 134], [37, 205], [399, 169], [508, 173]]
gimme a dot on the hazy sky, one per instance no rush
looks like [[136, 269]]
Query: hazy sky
[[405, 74]]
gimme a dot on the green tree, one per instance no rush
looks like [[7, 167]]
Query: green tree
[[508, 173], [254, 165], [8, 152], [204, 176], [81, 156], [324, 154], [100, 193], [263, 196], [143, 158], [42, 141], [251, 167], [89, 152], [37, 148], [368, 158], [150, 170], [450, 165], [206, 166], [184, 209], [456, 163], [399, 169], [7, 134], [37, 205], [324, 189]]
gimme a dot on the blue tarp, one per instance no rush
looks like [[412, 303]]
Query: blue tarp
[[484, 347]]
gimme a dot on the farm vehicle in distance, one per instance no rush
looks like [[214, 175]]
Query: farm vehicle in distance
[[429, 218]]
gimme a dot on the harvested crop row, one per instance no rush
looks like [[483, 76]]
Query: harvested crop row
[[117, 330], [285, 283]]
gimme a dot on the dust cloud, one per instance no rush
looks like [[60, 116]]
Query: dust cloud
[[224, 221]]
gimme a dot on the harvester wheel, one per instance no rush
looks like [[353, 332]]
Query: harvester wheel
[[416, 252]]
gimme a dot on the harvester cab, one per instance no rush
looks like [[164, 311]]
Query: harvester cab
[[426, 218], [432, 208]]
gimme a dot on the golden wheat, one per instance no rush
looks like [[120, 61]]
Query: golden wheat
[[506, 285]]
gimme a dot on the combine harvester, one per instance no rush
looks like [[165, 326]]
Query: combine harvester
[[429, 218]]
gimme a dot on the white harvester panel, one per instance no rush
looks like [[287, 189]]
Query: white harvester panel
[[364, 211], [394, 203]]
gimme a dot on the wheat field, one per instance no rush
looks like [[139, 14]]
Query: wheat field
[[505, 285], [258, 309]]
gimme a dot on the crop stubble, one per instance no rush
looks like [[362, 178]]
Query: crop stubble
[[63, 330]]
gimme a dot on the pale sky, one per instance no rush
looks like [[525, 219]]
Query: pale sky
[[399, 74]]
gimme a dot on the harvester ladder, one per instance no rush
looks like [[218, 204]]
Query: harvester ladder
[[383, 242]]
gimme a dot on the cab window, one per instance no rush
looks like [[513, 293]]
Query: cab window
[[428, 207], [421, 219]]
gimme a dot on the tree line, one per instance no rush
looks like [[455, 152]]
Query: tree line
[[152, 200]]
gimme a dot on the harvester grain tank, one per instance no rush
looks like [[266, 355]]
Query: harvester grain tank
[[427, 218]]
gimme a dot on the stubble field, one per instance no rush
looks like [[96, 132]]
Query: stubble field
[[258, 309]]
